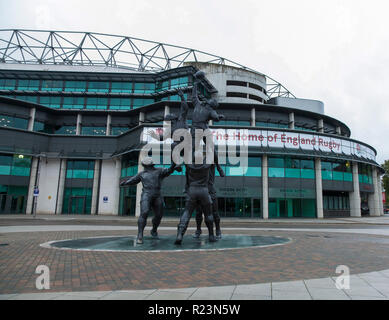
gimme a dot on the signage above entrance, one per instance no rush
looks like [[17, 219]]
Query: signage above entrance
[[280, 139]]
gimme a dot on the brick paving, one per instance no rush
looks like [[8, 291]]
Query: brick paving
[[309, 255]]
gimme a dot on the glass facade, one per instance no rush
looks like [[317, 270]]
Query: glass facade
[[52, 102], [268, 124], [43, 127], [116, 131], [78, 190], [144, 87], [291, 187], [137, 103], [336, 201], [13, 199], [337, 171], [128, 193], [251, 167], [75, 86], [235, 123], [65, 130], [365, 173], [13, 122], [127, 201], [129, 165], [98, 86], [288, 167], [120, 104], [77, 200], [73, 103], [52, 85], [7, 84], [239, 207], [96, 103], [93, 131], [30, 85], [80, 169], [121, 87], [15, 165]]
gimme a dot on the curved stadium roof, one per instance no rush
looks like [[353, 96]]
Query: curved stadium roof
[[98, 49]]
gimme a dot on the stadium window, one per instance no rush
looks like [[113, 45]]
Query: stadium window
[[28, 85], [7, 84], [121, 87], [52, 85], [77, 86], [236, 83], [236, 95], [98, 86]]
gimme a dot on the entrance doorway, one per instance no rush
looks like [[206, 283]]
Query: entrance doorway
[[77, 205], [129, 206], [12, 204]]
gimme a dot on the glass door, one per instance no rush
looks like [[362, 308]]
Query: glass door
[[77, 205], [3, 201]]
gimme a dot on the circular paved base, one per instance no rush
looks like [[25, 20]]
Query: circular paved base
[[166, 243]]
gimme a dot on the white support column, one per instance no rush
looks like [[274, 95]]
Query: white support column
[[31, 120], [381, 206], [338, 130], [167, 111], [116, 195], [109, 193], [374, 198], [31, 185], [253, 117], [265, 188], [319, 189], [291, 120], [320, 125], [95, 188], [139, 189], [108, 127], [78, 124], [61, 186], [141, 117], [355, 196]]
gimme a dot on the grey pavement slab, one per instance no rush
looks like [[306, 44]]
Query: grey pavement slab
[[291, 295], [37, 296], [88, 294], [213, 293], [122, 295], [366, 291], [169, 295], [296, 286], [7, 296], [180, 290], [327, 294], [261, 289], [325, 283], [242, 296]]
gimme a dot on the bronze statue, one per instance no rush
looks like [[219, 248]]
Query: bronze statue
[[215, 211], [151, 198]]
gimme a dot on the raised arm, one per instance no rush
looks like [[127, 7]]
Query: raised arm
[[195, 97], [220, 170], [213, 115], [168, 171], [133, 180], [184, 106]]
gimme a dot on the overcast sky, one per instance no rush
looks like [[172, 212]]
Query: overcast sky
[[330, 50]]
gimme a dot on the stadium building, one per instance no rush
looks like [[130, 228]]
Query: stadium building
[[75, 107]]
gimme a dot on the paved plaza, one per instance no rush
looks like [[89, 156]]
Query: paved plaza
[[304, 268]]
